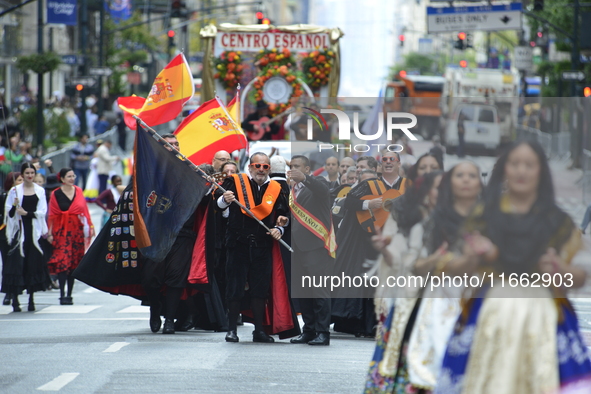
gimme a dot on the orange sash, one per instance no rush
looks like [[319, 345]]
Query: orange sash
[[244, 194]]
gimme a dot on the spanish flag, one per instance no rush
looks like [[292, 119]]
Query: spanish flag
[[209, 129], [172, 88]]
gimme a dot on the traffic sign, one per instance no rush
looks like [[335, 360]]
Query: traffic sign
[[86, 81], [573, 75], [472, 18], [72, 60], [100, 71], [523, 58]]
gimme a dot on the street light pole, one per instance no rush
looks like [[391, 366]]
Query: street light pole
[[101, 101], [40, 103]]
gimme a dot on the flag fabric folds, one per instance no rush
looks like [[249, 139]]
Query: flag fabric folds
[[113, 262], [166, 192], [171, 89], [209, 129]]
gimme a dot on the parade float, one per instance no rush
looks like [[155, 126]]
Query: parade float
[[276, 64]]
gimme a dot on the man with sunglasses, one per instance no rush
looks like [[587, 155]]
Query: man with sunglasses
[[249, 246]]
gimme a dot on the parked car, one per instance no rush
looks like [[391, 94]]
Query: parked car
[[481, 127]]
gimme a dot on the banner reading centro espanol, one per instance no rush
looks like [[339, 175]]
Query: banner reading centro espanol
[[253, 42], [62, 12]]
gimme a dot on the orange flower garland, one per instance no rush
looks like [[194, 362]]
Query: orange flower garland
[[274, 63], [316, 67], [229, 68]]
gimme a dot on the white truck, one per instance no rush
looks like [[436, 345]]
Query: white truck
[[480, 88]]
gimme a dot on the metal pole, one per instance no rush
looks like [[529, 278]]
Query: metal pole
[[101, 101], [51, 73], [83, 46], [204, 175], [40, 103]]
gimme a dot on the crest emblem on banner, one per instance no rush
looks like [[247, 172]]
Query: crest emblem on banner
[[133, 254], [118, 230], [124, 244], [110, 258], [111, 246]]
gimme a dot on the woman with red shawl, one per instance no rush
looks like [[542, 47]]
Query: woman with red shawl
[[70, 229]]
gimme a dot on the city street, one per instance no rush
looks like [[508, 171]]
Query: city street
[[103, 344]]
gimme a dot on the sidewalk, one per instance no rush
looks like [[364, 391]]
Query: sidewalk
[[569, 194]]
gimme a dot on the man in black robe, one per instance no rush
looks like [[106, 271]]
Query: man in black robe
[[249, 245], [312, 250], [356, 315]]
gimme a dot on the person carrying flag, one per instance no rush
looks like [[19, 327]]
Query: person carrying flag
[[249, 245]]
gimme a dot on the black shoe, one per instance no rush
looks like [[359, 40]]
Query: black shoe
[[155, 321], [323, 339], [261, 336], [231, 336], [6, 299], [16, 306], [186, 325], [66, 301], [304, 338], [168, 326]]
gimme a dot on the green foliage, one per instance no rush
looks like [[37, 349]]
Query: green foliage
[[28, 120], [39, 63], [424, 64], [57, 128]]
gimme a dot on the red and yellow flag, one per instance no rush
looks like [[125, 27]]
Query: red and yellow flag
[[209, 129], [171, 89]]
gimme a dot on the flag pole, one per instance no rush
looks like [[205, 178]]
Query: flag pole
[[203, 174]]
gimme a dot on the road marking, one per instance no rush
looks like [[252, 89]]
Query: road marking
[[80, 319], [115, 347], [68, 309], [90, 290], [59, 382], [135, 309]]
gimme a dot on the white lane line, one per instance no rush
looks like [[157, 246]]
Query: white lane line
[[115, 347], [59, 382], [135, 309], [79, 319], [68, 309]]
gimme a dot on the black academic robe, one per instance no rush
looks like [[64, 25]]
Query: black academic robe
[[355, 315]]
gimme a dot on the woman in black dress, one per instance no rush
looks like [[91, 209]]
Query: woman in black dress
[[25, 267]]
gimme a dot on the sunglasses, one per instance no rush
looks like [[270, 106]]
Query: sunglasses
[[259, 165], [387, 159]]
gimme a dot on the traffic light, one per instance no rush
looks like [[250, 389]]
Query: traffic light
[[461, 41], [178, 9], [401, 39], [260, 16], [587, 91], [171, 35], [538, 5], [463, 63], [79, 87], [266, 21], [402, 74]]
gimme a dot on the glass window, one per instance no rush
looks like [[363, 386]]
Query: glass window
[[467, 113], [486, 115], [390, 93]]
